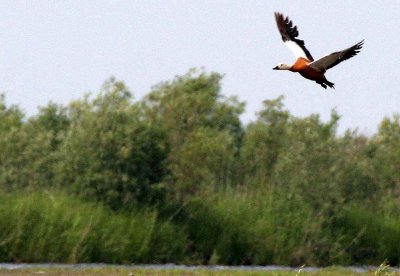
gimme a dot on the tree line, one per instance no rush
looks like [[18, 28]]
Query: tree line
[[278, 190]]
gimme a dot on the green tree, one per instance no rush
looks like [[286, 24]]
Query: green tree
[[264, 140], [110, 153], [205, 162], [307, 167], [386, 156], [53, 118], [196, 117], [25, 150]]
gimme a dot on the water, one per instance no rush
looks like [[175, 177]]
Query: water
[[13, 266]]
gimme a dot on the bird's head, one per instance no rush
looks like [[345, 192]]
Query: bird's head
[[281, 66]]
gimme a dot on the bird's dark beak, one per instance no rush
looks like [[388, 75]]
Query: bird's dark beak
[[275, 68]]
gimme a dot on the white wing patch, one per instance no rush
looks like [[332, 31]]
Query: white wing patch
[[296, 49]]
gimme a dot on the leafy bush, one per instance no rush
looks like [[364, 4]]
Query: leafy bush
[[109, 153]]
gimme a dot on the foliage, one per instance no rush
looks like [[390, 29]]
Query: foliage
[[189, 109], [264, 141], [176, 177], [109, 153], [54, 227], [25, 151]]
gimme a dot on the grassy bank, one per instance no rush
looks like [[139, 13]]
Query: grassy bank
[[54, 227], [150, 272], [264, 228], [224, 228]]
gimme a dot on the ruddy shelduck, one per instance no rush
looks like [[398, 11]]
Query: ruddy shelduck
[[305, 64]]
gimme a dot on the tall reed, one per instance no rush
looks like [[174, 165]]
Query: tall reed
[[54, 227]]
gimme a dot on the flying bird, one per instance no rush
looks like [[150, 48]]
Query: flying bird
[[305, 64]]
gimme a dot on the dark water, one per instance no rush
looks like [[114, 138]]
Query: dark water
[[11, 266]]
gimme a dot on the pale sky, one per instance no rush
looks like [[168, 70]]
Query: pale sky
[[59, 50]]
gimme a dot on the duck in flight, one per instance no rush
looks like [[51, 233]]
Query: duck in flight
[[305, 64]]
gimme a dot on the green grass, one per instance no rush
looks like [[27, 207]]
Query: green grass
[[54, 227], [261, 228], [230, 227], [235, 228], [147, 272]]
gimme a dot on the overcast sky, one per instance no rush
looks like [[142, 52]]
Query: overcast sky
[[59, 50]]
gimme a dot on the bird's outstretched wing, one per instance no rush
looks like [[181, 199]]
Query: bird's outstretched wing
[[335, 58], [289, 35]]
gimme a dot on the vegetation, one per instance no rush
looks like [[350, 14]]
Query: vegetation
[[116, 270], [176, 177], [54, 227]]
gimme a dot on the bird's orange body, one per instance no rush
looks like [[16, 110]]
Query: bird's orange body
[[302, 67]]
